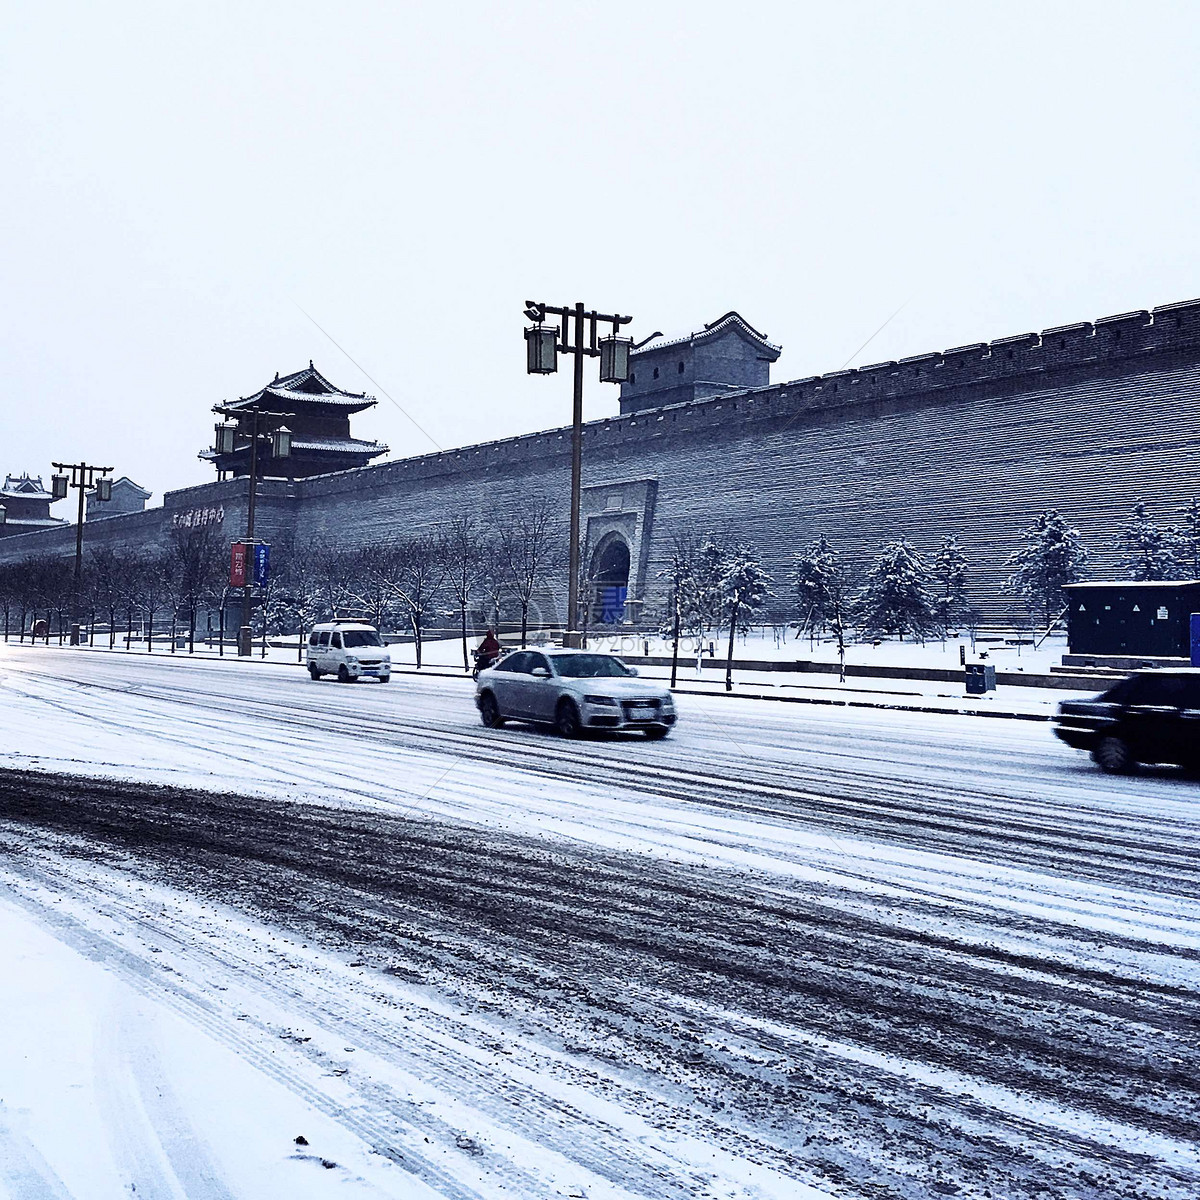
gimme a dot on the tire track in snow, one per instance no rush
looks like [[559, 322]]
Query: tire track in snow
[[612, 940]]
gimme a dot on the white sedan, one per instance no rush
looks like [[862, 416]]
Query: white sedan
[[572, 690]]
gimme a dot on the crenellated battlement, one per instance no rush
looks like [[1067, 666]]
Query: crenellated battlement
[[1122, 344]]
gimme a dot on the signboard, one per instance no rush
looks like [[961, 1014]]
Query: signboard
[[262, 564], [1195, 624], [237, 565], [196, 517]]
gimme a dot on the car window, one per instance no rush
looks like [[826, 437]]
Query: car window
[[539, 660], [335, 640], [314, 639], [589, 666], [325, 639], [1155, 691], [353, 638], [518, 662]]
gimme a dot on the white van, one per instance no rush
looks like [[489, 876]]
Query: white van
[[349, 650]]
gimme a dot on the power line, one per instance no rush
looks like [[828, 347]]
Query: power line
[[874, 336], [379, 386]]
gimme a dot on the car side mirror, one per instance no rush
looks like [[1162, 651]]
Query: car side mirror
[[632, 670], [540, 673]]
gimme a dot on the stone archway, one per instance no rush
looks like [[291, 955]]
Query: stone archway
[[609, 575]]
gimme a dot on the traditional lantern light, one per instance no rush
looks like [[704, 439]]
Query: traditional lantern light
[[541, 350], [58, 486], [281, 442], [104, 490], [226, 432], [614, 359]]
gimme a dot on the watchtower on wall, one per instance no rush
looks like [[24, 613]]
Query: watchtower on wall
[[26, 505], [316, 412], [728, 355]]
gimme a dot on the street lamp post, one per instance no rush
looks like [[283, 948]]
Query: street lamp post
[[280, 440], [543, 345], [83, 478]]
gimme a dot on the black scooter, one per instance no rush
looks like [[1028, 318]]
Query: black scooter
[[483, 660]]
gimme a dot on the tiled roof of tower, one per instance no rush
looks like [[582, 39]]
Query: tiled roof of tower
[[308, 386], [731, 320], [27, 487]]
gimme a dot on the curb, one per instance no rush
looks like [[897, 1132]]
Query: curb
[[833, 702]]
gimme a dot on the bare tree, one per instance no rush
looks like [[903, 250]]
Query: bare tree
[[419, 581], [372, 576], [150, 589], [333, 576], [194, 562], [462, 549], [527, 550]]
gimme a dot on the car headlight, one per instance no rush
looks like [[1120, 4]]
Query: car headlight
[[602, 700], [351, 661]]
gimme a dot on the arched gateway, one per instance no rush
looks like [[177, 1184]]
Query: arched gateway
[[609, 574]]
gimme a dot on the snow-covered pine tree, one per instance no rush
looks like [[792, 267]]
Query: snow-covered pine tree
[[1190, 537], [896, 597], [708, 573], [682, 615], [1150, 551], [744, 587], [950, 581], [813, 575], [1052, 557]]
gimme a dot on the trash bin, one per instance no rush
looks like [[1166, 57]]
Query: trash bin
[[980, 678]]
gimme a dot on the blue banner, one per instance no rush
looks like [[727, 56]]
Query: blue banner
[[262, 564], [1195, 630]]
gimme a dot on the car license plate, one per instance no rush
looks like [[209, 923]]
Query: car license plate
[[641, 711]]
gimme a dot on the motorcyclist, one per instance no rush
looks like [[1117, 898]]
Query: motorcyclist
[[487, 652]]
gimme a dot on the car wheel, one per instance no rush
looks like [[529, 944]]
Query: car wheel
[[489, 711], [566, 719], [1113, 756], [344, 676], [657, 732], [313, 673]]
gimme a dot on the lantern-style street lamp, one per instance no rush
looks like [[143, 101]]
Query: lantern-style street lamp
[[542, 346], [541, 350], [83, 478], [614, 359], [279, 442]]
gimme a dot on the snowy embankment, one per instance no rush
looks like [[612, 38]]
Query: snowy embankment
[[790, 948]]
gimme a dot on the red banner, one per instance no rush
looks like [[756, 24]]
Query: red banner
[[237, 565]]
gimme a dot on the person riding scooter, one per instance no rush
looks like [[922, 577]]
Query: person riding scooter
[[487, 653]]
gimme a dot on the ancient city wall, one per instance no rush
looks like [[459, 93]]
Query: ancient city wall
[[972, 441]]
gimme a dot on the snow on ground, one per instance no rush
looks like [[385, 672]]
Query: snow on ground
[[445, 657], [988, 851], [105, 1086]]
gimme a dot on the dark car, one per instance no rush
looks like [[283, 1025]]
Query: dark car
[[1150, 717]]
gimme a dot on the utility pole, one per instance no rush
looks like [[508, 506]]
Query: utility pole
[[83, 478], [279, 438], [543, 345]]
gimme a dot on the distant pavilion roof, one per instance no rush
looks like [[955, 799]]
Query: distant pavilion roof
[[731, 320], [24, 487], [307, 388]]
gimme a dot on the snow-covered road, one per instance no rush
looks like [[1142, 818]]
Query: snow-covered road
[[873, 953]]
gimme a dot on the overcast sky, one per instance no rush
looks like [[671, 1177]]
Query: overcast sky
[[183, 183]]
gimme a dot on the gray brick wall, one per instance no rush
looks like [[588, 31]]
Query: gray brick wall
[[973, 442]]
